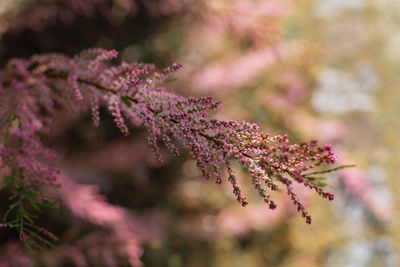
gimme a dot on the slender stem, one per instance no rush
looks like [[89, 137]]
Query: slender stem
[[21, 221]]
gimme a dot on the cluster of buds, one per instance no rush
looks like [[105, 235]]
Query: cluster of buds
[[33, 89]]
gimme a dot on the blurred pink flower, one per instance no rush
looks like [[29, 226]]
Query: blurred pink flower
[[239, 69], [85, 202], [359, 187], [13, 254]]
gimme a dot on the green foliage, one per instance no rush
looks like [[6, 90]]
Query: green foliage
[[26, 200]]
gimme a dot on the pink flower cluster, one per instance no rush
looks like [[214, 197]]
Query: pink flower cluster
[[34, 90]]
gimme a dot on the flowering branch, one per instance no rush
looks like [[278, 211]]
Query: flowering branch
[[33, 90]]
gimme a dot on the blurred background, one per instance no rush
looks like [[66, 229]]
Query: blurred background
[[323, 69]]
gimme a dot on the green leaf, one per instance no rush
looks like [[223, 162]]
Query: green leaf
[[47, 242], [34, 205], [36, 244], [313, 178], [329, 170], [27, 216], [48, 205], [13, 224], [12, 206], [14, 196], [31, 252], [30, 249]]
